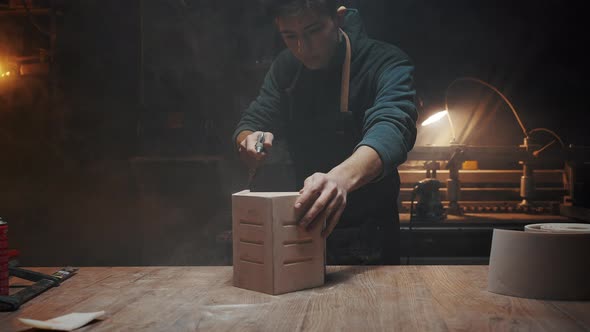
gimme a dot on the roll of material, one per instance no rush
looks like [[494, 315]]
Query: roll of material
[[546, 261]]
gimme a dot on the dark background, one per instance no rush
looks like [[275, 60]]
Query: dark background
[[123, 155]]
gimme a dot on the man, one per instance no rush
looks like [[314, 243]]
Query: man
[[345, 106]]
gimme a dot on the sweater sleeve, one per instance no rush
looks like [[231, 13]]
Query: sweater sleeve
[[262, 113], [389, 126]]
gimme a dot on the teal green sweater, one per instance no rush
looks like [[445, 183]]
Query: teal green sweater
[[382, 94]]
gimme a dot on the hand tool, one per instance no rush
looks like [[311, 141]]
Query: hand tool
[[260, 143], [259, 147], [42, 283]]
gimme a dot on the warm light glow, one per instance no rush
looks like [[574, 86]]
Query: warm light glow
[[435, 117], [3, 73]]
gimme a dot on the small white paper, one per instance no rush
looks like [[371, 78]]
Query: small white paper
[[67, 322]]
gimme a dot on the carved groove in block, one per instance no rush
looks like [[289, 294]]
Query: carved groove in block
[[251, 261], [297, 260], [252, 242], [251, 233], [252, 252], [251, 223], [290, 223], [297, 241]]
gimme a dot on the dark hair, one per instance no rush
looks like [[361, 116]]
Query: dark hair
[[277, 8]]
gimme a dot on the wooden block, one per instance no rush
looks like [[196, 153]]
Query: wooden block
[[271, 254]]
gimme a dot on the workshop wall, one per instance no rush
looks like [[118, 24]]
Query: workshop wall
[[132, 164]]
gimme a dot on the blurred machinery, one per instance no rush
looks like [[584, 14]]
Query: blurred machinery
[[483, 187], [427, 195], [543, 184], [548, 179], [449, 216]]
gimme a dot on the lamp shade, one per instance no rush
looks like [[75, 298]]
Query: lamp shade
[[435, 117]]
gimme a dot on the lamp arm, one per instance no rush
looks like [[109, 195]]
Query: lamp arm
[[550, 132], [473, 79]]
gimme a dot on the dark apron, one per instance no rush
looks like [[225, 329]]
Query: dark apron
[[368, 231]]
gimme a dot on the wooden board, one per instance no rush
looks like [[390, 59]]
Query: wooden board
[[372, 298]]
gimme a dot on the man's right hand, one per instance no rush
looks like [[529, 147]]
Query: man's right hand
[[247, 147]]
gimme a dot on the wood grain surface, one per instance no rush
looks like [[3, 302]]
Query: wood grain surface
[[367, 298]]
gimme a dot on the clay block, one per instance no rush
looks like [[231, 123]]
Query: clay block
[[271, 254]]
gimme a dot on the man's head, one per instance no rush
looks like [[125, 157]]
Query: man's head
[[310, 28]]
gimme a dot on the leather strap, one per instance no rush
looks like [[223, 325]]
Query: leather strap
[[345, 85]]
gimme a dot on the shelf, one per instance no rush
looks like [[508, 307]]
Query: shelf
[[23, 12], [183, 159]]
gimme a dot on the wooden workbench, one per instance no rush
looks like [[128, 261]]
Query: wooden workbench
[[379, 298]]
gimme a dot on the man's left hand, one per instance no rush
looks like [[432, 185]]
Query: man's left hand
[[323, 197]]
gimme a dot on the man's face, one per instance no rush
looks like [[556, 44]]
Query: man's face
[[310, 36]]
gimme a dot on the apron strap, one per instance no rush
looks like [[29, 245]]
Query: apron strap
[[345, 85]]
